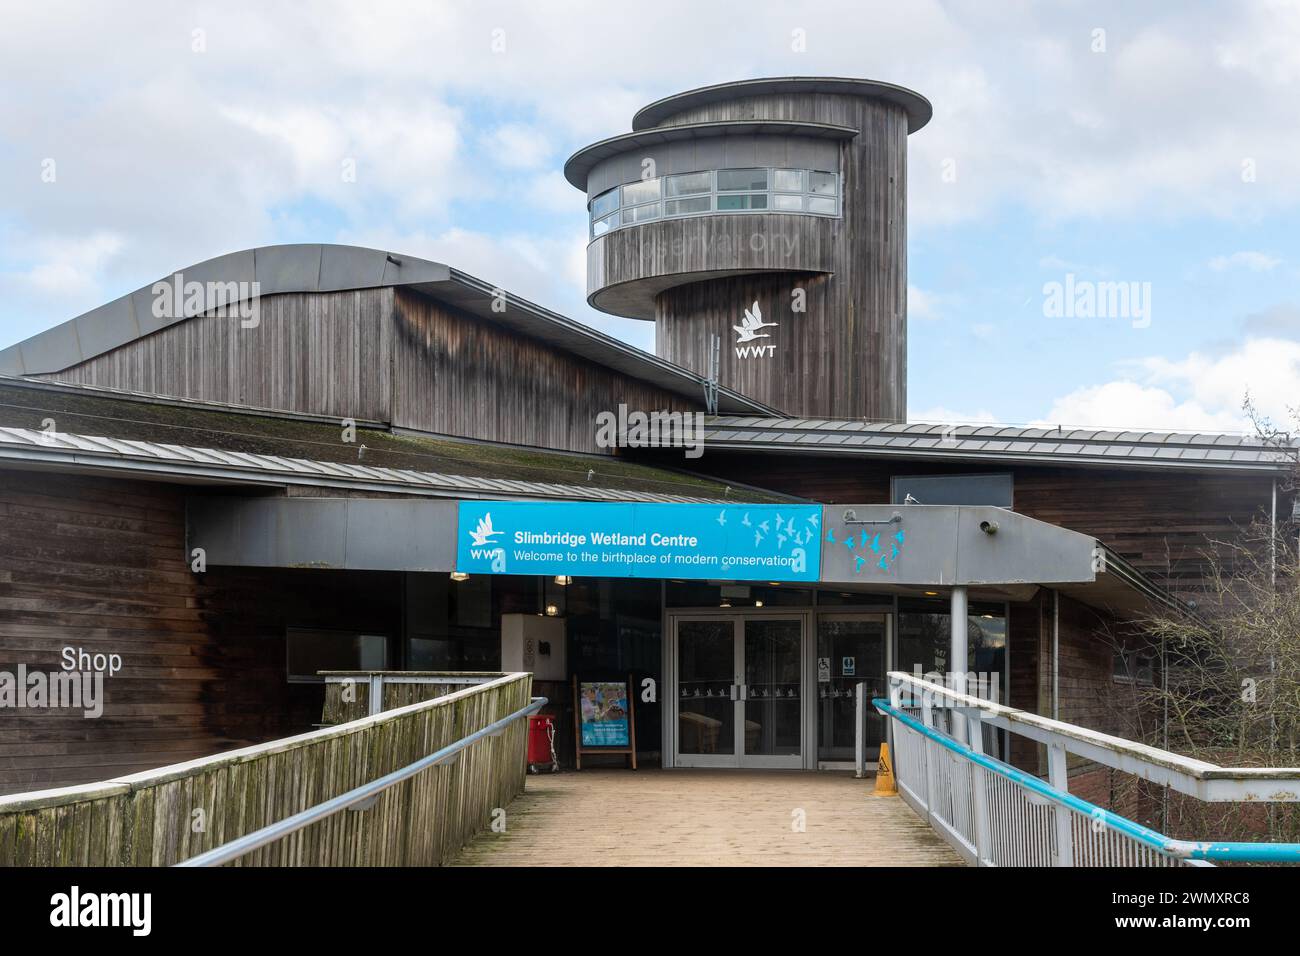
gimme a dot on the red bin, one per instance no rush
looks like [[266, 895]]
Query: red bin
[[541, 733]]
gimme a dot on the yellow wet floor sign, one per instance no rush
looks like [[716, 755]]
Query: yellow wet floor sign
[[885, 775]]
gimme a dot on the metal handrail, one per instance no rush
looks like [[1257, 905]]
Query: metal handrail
[[1198, 778], [368, 791], [1178, 849]]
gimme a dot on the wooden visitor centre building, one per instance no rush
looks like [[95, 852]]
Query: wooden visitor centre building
[[302, 458]]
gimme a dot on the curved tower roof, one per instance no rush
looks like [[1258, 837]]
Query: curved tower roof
[[916, 106]]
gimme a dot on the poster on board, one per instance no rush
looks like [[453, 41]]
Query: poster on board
[[604, 713], [604, 718]]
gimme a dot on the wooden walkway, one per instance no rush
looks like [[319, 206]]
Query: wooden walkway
[[706, 818]]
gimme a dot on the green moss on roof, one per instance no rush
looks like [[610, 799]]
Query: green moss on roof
[[105, 415]]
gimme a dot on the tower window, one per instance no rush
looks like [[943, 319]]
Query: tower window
[[732, 180], [604, 204], [745, 201], [688, 183], [824, 184], [806, 191], [788, 180]]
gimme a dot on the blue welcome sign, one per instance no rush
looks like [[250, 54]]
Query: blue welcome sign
[[625, 540]]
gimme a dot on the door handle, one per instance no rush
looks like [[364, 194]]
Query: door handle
[[744, 692]]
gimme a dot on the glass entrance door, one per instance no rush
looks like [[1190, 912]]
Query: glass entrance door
[[739, 691], [706, 692], [772, 692], [851, 649]]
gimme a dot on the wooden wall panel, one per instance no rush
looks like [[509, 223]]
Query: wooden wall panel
[[100, 564], [318, 353], [851, 358], [459, 375], [1025, 636], [387, 355]]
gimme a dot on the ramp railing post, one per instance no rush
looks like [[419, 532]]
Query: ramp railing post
[[979, 792], [1058, 777]]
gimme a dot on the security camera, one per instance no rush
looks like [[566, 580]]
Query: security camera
[[989, 527]]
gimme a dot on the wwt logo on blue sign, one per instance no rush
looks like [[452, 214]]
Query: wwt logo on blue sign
[[732, 542]]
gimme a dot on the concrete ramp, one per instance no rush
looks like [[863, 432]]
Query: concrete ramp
[[706, 818]]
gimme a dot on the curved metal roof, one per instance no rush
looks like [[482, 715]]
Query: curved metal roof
[[918, 108], [580, 164]]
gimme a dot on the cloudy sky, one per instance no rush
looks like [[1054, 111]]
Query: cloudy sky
[[1155, 145]]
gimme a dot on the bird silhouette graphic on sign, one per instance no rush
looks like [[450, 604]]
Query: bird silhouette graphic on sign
[[484, 533], [749, 326]]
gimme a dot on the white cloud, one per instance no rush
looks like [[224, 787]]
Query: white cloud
[[1129, 405], [518, 146], [1247, 259], [1200, 392], [1268, 367], [942, 414], [400, 155], [67, 268]]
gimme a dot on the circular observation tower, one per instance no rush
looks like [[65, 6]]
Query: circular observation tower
[[772, 214]]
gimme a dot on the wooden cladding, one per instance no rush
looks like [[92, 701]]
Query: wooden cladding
[[101, 565], [323, 353], [627, 267], [387, 355], [817, 362], [423, 821], [459, 375]]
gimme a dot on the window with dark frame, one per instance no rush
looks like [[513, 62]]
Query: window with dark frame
[[310, 650], [1134, 667], [996, 489]]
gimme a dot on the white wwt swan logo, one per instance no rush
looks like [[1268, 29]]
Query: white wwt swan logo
[[749, 330], [484, 533], [483, 545]]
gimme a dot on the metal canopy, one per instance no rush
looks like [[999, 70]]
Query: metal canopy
[[949, 545], [939, 546]]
